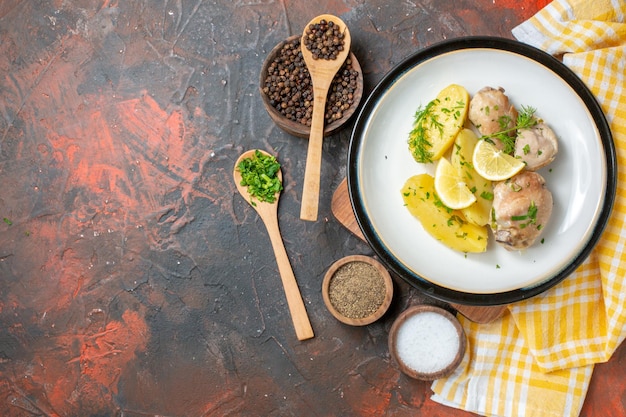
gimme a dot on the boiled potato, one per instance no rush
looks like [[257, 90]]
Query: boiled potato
[[446, 225], [437, 124], [461, 158]]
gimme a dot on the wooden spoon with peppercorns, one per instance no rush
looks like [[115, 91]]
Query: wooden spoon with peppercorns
[[268, 211], [325, 45]]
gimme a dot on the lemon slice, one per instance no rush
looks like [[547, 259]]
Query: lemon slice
[[451, 188], [493, 164]]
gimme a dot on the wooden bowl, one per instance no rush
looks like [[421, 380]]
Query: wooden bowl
[[293, 127], [382, 308], [428, 370]]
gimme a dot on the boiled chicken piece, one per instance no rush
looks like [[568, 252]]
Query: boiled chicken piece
[[491, 112], [537, 146], [522, 206]]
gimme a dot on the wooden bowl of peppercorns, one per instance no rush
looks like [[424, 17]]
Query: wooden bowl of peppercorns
[[287, 92]]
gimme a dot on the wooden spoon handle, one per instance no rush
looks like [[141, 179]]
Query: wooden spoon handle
[[311, 190], [292, 292]]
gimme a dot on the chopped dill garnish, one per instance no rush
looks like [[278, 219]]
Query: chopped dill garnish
[[418, 140], [525, 119]]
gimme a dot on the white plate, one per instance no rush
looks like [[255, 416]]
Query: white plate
[[582, 178]]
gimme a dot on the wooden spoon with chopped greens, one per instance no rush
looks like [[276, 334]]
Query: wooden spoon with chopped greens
[[258, 179]]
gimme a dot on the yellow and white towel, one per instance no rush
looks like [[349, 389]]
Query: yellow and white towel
[[538, 360]]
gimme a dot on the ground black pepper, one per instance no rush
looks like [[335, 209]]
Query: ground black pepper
[[289, 88], [356, 290]]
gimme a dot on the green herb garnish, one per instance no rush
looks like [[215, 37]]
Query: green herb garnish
[[486, 195], [260, 174], [525, 119], [455, 219], [530, 217], [418, 141]]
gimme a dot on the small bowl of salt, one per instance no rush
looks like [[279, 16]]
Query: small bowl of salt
[[427, 342]]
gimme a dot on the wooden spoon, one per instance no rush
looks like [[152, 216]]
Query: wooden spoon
[[269, 214], [322, 73]]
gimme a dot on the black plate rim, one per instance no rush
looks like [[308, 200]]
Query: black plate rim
[[543, 58]]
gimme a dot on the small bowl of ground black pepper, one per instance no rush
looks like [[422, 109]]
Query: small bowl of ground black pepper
[[287, 91], [357, 290]]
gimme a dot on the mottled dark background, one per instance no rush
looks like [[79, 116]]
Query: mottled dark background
[[134, 280]]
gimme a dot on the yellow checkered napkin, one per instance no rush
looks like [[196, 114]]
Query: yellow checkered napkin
[[538, 360]]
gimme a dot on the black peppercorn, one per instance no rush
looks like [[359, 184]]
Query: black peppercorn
[[288, 84], [324, 39]]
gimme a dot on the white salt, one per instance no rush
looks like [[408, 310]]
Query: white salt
[[427, 342]]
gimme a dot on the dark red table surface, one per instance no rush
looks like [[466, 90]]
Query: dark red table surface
[[134, 281]]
